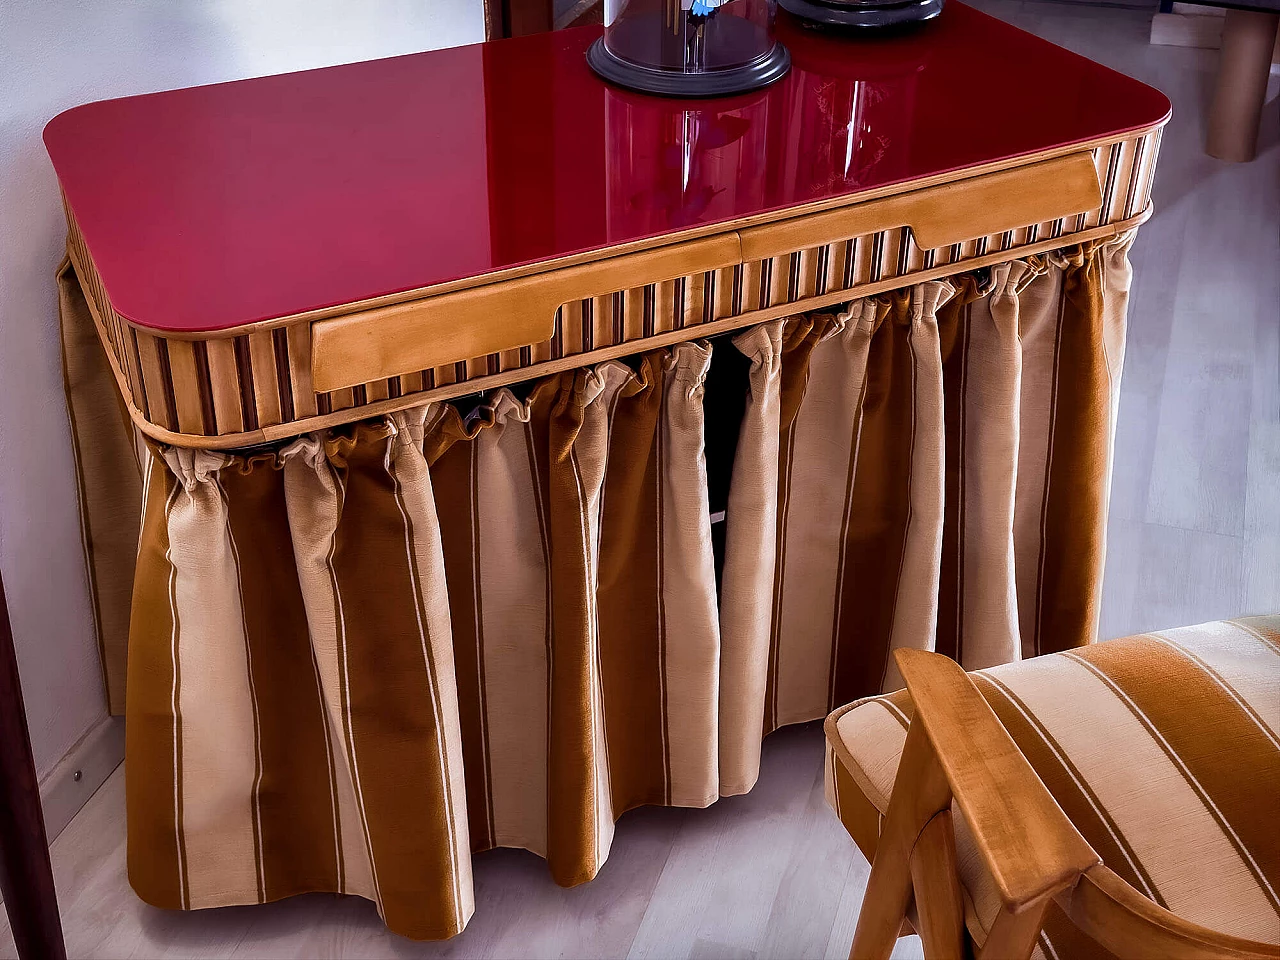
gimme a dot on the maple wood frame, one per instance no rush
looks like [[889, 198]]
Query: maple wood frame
[[956, 749]]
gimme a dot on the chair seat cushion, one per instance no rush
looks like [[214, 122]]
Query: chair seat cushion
[[1163, 749]]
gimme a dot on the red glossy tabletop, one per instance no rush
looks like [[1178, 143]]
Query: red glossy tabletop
[[213, 207]]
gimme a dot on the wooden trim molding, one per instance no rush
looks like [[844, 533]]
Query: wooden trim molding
[[78, 775]]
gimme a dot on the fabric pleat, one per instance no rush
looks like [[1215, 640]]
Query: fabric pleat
[[311, 738], [109, 459], [1072, 328], [938, 485], [816, 475], [747, 577], [857, 477], [359, 658], [659, 630], [315, 710], [982, 374]]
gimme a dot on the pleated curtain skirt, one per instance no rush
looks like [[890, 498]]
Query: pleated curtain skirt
[[358, 659]]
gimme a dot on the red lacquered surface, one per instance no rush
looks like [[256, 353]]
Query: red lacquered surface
[[213, 207]]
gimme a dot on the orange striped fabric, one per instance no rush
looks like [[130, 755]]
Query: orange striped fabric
[[1072, 327], [835, 514], [1163, 749], [312, 709], [293, 720]]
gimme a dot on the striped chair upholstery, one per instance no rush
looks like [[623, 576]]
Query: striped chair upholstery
[[1163, 749]]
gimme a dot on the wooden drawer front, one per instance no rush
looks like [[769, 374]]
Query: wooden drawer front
[[489, 319], [948, 214], [504, 317]]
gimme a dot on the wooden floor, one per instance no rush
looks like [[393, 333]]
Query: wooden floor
[[1195, 534]]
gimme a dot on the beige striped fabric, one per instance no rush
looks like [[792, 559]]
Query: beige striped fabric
[[1071, 322], [292, 717], [939, 481], [648, 647], [311, 709], [358, 659], [108, 453], [842, 535], [779, 354], [1003, 391], [1163, 749], [982, 371]]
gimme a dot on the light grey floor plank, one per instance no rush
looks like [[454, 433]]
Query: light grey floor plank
[[1195, 534], [807, 903], [724, 873], [1262, 489]]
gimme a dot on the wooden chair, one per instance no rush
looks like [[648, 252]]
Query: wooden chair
[[1016, 856], [26, 879]]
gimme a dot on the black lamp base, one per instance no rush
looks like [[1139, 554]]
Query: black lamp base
[[671, 83], [860, 14]]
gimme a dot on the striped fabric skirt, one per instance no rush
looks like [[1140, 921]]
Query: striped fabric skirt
[[357, 659]]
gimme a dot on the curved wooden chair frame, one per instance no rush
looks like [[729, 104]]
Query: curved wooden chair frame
[[956, 749]]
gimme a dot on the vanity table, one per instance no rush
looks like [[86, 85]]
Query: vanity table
[[273, 256], [416, 352]]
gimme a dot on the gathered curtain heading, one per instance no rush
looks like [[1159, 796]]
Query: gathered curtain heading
[[356, 660]]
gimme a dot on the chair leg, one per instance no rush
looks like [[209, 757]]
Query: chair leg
[[937, 890], [1013, 935], [26, 879], [919, 792]]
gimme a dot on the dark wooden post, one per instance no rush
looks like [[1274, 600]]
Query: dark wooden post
[[519, 18], [26, 878]]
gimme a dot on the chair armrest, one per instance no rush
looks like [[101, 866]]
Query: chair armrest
[[1027, 843]]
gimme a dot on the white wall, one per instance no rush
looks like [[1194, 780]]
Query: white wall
[[55, 54]]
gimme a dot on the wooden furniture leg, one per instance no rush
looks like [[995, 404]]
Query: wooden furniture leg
[[920, 791], [1013, 935], [936, 883], [26, 878], [1248, 38]]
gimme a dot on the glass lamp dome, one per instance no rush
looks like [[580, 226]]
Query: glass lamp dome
[[689, 48]]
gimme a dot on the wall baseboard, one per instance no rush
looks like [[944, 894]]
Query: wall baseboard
[[77, 776]]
